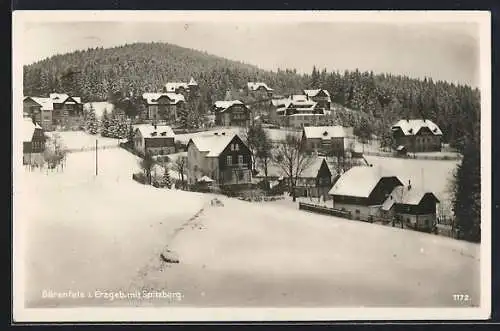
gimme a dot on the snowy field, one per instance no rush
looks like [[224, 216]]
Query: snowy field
[[81, 139], [276, 256], [86, 233]]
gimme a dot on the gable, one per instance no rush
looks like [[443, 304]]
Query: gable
[[324, 170], [31, 102], [321, 93], [243, 148], [164, 99]]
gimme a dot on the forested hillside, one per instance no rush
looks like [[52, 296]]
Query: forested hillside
[[377, 99]]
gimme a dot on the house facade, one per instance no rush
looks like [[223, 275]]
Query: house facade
[[154, 139], [320, 96], [232, 113], [315, 181], [415, 208], [224, 158], [362, 190], [417, 135], [39, 109], [33, 143], [190, 90], [330, 140], [164, 106], [298, 111], [67, 112], [259, 90], [58, 111]]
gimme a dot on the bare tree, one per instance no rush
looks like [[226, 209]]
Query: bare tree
[[180, 167], [292, 159], [147, 164], [55, 152]]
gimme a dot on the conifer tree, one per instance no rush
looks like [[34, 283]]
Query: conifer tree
[[91, 124], [167, 181], [105, 124]]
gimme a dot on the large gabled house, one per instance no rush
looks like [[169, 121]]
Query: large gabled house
[[58, 111], [417, 135], [40, 110], [189, 89], [156, 140], [298, 111], [329, 140], [413, 207], [320, 96], [232, 113], [372, 193], [222, 157], [33, 142], [316, 180], [163, 106], [362, 190], [259, 90]]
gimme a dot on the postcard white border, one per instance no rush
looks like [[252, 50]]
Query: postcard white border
[[482, 18]]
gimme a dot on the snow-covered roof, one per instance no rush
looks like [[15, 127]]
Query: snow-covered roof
[[411, 127], [46, 103], [214, 144], [254, 86], [281, 102], [149, 131], [223, 105], [359, 181], [173, 86], [404, 195], [313, 93], [326, 132], [152, 98], [192, 82], [59, 97], [299, 98], [28, 129], [313, 169], [205, 179]]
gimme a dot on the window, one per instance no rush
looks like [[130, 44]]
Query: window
[[229, 160], [236, 147], [232, 147], [240, 159], [240, 175], [357, 211]]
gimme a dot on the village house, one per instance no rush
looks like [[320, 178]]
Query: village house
[[157, 140], [39, 109], [413, 207], [232, 113], [329, 140], [33, 142], [189, 90], [320, 96], [58, 111], [221, 157], [163, 106], [362, 190], [417, 135], [259, 90], [298, 111], [316, 180]]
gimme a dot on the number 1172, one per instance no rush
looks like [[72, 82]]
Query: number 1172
[[461, 297]]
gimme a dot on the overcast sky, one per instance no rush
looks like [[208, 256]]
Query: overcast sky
[[443, 51]]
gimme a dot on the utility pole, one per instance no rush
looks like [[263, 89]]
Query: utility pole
[[96, 159]]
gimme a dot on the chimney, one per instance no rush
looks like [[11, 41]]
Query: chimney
[[216, 133], [409, 185], [223, 133]]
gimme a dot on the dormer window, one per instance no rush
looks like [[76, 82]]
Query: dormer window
[[153, 134], [325, 133], [163, 133]]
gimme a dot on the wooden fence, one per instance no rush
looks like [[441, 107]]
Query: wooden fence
[[325, 210], [90, 148]]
